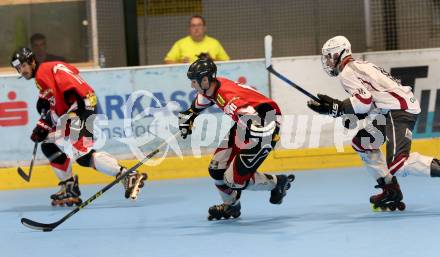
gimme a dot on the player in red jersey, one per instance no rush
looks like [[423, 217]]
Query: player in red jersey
[[66, 101], [248, 143]]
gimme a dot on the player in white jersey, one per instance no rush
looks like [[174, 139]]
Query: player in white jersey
[[391, 110]]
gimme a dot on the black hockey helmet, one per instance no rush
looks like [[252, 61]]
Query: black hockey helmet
[[202, 67], [21, 56]]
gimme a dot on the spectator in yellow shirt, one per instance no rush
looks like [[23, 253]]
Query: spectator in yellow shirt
[[186, 49]]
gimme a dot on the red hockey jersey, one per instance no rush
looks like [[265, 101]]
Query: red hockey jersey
[[231, 97], [53, 79]]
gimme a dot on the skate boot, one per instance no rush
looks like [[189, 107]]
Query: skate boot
[[217, 212], [68, 194], [390, 198], [283, 184], [133, 183]]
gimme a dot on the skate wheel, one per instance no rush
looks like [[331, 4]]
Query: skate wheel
[[375, 208], [53, 204], [392, 207], [227, 216], [401, 206], [70, 204], [291, 177]]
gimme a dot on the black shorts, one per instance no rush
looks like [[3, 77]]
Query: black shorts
[[396, 132]]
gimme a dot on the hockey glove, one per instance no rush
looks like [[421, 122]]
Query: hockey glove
[[43, 127], [186, 120], [40, 131], [327, 105]]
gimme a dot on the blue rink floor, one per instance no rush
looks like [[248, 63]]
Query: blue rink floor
[[326, 213]]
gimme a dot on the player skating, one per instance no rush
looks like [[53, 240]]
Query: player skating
[[374, 91], [248, 143], [67, 100]]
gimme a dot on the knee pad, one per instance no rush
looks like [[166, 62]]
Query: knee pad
[[216, 174], [86, 159], [53, 153]]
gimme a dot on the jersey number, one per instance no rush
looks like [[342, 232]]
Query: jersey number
[[66, 70], [384, 72]]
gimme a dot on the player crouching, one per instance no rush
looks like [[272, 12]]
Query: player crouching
[[248, 143], [67, 101]]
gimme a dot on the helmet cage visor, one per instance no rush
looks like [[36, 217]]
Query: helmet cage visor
[[330, 63]]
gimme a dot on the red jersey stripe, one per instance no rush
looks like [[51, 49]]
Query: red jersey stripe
[[402, 101], [366, 101]]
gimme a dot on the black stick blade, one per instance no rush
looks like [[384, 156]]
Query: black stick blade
[[23, 174], [38, 226]]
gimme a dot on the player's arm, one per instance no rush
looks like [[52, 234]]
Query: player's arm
[[250, 121], [45, 123], [80, 105], [187, 117], [43, 105], [331, 106], [359, 103], [361, 99]]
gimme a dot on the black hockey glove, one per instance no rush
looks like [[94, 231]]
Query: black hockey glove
[[43, 127], [327, 106], [40, 131], [186, 120]]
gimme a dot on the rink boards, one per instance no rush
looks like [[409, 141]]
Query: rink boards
[[307, 142], [189, 166]]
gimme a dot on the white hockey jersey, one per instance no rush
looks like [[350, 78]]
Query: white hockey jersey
[[372, 87]]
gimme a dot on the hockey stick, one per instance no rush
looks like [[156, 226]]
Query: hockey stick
[[21, 171], [50, 226], [269, 67]]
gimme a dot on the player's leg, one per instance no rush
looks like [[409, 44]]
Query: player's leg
[[399, 128], [373, 158], [81, 135], [401, 161], [223, 155], [365, 144], [61, 164], [242, 172]]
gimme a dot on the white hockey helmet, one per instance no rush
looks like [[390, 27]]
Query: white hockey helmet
[[333, 52]]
